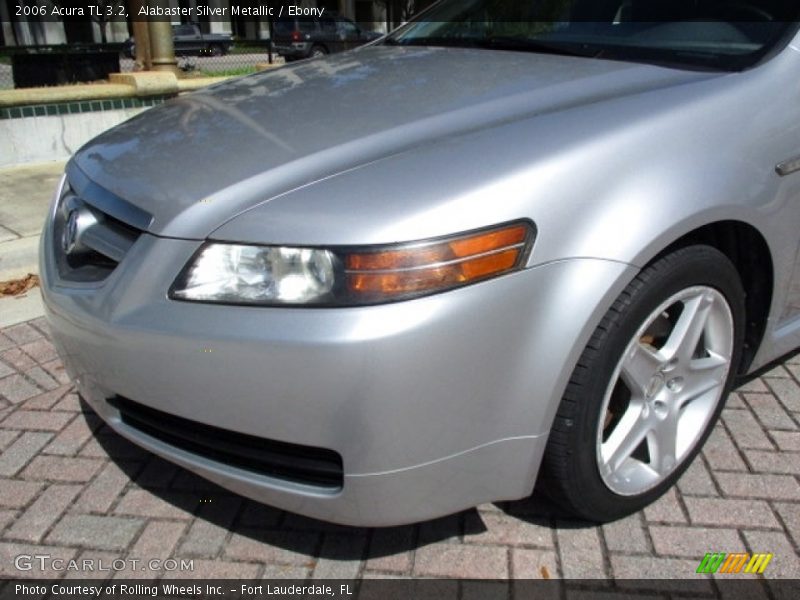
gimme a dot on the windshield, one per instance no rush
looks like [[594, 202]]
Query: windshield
[[707, 34]]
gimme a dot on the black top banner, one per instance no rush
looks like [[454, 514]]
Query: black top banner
[[156, 10], [541, 11]]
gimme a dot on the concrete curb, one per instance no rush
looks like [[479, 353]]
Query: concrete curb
[[120, 85]]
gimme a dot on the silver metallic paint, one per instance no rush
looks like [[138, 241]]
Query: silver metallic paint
[[443, 402]]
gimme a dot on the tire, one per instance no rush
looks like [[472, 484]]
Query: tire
[[634, 414], [317, 51], [216, 50]]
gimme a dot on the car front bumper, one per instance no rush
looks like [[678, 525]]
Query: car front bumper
[[434, 405]]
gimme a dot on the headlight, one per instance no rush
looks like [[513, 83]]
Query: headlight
[[257, 275], [276, 275]]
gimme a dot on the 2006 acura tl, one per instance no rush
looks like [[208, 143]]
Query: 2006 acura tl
[[489, 248]]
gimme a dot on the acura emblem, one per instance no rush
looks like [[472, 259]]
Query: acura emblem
[[80, 219], [69, 239]]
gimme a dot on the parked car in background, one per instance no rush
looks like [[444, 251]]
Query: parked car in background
[[295, 38], [189, 40], [389, 285]]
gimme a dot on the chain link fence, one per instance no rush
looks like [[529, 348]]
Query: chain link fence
[[241, 59]]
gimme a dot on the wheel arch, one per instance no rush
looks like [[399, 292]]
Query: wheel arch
[[569, 470], [747, 249]]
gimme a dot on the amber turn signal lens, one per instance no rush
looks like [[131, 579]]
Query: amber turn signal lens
[[431, 267]]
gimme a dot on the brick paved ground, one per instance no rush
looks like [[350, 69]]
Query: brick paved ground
[[71, 488]]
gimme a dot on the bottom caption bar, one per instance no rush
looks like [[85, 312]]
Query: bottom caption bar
[[702, 587]]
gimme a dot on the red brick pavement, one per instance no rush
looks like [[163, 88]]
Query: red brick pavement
[[71, 488]]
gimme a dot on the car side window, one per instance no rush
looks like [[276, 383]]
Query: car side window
[[307, 25], [283, 26], [348, 28]]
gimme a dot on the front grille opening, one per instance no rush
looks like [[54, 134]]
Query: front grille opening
[[91, 258], [97, 245], [292, 462]]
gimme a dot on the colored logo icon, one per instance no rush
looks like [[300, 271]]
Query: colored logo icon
[[737, 562]]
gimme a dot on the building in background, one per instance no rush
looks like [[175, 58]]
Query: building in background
[[32, 29], [375, 15]]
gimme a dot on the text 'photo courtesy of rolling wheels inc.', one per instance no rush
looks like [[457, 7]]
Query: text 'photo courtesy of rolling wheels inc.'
[[400, 299]]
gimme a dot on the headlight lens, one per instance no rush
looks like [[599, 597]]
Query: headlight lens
[[274, 275], [257, 275]]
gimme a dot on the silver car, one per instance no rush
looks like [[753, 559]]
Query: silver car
[[503, 244]]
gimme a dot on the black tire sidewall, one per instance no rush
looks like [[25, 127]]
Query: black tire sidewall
[[688, 267]]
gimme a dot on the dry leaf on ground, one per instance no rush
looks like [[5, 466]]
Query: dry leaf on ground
[[15, 287]]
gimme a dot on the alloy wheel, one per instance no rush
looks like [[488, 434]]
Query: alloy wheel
[[665, 389]]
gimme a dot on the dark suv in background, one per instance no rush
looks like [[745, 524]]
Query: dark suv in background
[[295, 38], [189, 40]]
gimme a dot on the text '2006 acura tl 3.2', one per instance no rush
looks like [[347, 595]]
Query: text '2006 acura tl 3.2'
[[498, 246]]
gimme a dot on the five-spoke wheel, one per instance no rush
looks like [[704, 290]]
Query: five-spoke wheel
[[665, 390], [649, 386]]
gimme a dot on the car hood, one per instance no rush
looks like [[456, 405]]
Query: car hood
[[200, 159]]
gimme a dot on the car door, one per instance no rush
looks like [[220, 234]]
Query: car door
[[188, 39], [790, 169]]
